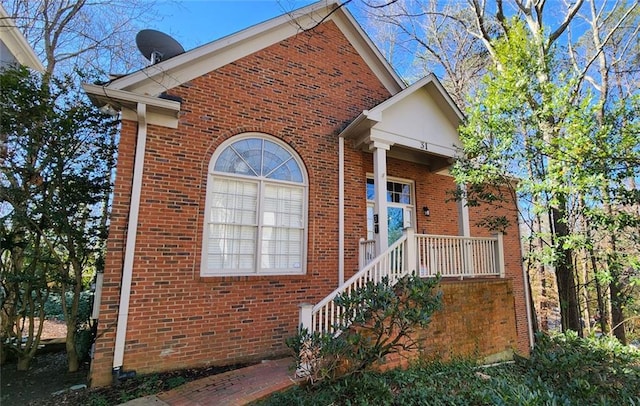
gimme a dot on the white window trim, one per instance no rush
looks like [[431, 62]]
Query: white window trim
[[204, 269]]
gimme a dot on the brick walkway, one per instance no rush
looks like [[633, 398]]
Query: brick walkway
[[233, 388]]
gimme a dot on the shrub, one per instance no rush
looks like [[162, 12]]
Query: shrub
[[562, 370], [586, 369], [379, 319], [53, 306]]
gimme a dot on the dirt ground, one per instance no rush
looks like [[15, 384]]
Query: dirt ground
[[46, 375], [47, 381]]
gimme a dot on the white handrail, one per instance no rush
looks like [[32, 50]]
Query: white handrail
[[390, 264]]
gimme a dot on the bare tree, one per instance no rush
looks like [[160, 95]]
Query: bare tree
[[434, 38], [88, 35]]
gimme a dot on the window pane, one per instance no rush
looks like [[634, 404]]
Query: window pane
[[233, 201], [398, 192], [231, 247], [370, 234], [251, 150], [281, 248], [289, 171], [395, 223], [274, 156], [231, 162], [282, 206], [371, 190]]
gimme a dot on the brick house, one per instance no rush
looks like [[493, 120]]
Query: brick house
[[246, 187]]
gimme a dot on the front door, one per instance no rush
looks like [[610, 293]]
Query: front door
[[399, 210]]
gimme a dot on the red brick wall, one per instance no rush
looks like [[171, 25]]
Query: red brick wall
[[476, 321], [513, 256], [303, 91]]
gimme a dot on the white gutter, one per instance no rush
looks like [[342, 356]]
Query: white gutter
[[340, 211], [132, 231]]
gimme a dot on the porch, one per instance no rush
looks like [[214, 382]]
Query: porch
[[451, 257]]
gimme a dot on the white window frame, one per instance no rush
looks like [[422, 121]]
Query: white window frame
[[262, 182]]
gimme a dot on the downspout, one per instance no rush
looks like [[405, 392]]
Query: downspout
[[340, 211], [527, 297], [132, 231]]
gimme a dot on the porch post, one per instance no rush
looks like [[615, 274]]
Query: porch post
[[411, 259], [305, 316], [380, 180], [463, 215], [500, 254], [465, 231]]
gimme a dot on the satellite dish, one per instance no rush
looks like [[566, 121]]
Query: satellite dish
[[157, 46]]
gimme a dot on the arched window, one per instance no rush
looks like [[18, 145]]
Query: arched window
[[256, 213]]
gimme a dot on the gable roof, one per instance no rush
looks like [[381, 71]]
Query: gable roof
[[155, 79], [422, 117], [13, 42]]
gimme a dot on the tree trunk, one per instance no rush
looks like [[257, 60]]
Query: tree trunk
[[615, 286], [72, 355], [583, 294], [23, 361], [617, 316], [565, 276]]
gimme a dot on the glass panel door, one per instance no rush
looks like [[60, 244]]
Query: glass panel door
[[395, 223]]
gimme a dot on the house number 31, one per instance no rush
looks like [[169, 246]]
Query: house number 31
[[423, 145]]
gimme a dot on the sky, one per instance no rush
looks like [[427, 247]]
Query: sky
[[197, 22]]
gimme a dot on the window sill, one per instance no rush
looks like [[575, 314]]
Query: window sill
[[250, 277]]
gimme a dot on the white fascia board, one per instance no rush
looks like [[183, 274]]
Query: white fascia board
[[17, 43], [180, 69]]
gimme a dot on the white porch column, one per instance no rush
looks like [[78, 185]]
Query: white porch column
[[411, 257], [380, 180], [463, 215], [500, 254], [464, 230]]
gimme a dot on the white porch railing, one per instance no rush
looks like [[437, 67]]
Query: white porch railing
[[392, 263], [430, 255], [367, 252], [460, 257]]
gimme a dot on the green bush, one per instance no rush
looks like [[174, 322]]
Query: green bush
[[586, 369], [53, 306], [562, 370], [378, 319]]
